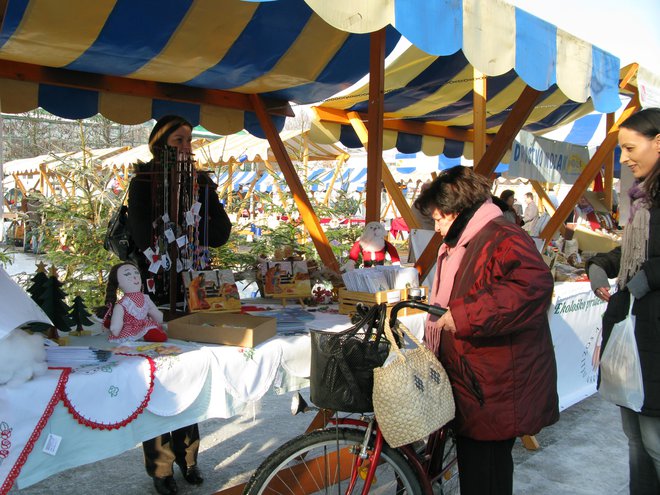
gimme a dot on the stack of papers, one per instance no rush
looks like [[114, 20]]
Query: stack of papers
[[72, 357], [289, 320], [381, 278]]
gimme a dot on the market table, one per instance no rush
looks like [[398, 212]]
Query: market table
[[162, 387], [225, 380]]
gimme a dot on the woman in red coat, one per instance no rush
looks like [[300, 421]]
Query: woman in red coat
[[494, 341]]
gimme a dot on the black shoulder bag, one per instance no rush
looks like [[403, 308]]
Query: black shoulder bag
[[342, 364], [118, 236]]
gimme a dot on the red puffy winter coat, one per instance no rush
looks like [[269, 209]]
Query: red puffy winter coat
[[501, 360]]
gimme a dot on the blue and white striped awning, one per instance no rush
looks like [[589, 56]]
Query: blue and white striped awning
[[75, 58], [432, 81], [281, 50]]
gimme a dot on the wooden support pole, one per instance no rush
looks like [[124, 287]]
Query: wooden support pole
[[63, 184], [608, 180], [230, 184], [428, 257], [545, 201], [479, 112], [386, 177], [340, 163], [19, 183], [589, 172], [308, 216], [375, 122], [508, 131], [253, 183], [276, 185], [339, 116]]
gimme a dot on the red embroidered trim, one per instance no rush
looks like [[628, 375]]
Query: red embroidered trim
[[115, 426], [22, 457]]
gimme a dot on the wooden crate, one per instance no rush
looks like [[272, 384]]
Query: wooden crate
[[349, 299]]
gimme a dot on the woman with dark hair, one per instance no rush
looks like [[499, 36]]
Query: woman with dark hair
[[148, 198], [148, 194], [494, 340], [508, 197], [636, 265]]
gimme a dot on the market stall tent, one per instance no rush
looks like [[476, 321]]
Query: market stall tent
[[233, 65]]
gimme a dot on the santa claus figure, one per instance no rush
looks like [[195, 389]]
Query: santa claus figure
[[373, 247]]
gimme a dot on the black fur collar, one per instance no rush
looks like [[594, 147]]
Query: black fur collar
[[457, 228]]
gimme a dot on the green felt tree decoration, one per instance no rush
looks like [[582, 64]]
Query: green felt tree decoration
[[79, 315], [52, 302], [38, 281]]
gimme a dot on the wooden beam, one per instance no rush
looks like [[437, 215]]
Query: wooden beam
[[386, 177], [276, 185], [479, 113], [19, 183], [608, 179], [230, 184], [63, 184], [545, 201], [308, 216], [136, 87], [429, 256], [507, 133], [374, 145], [589, 173], [340, 163], [338, 116]]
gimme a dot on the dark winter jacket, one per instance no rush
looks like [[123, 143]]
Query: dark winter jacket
[[501, 361], [646, 311]]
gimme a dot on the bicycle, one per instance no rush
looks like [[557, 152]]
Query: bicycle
[[349, 456]]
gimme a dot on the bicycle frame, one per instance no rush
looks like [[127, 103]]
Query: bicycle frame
[[428, 469]]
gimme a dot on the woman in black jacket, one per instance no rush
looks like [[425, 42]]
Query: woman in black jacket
[[636, 265], [148, 198]]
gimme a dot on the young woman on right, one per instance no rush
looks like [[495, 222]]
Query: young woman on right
[[636, 264]]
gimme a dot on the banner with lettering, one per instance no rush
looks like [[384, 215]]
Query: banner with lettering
[[576, 322], [546, 160]]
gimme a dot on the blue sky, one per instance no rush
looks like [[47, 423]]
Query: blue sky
[[627, 29]]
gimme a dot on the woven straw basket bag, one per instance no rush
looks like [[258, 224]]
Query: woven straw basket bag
[[412, 395]]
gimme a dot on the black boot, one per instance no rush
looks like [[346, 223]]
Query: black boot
[[192, 475], [166, 486]]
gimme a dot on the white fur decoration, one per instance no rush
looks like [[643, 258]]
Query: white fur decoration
[[22, 356]]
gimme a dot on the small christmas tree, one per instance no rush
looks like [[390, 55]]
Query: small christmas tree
[[52, 302], [79, 315], [38, 281]]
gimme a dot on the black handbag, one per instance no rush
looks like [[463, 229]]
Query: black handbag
[[342, 363], [118, 238]]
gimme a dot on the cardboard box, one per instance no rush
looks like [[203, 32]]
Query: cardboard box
[[223, 328], [589, 240]]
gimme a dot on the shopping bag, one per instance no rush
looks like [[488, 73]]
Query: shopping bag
[[620, 368], [412, 395]]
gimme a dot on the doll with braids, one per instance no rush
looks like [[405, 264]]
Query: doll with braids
[[134, 316]]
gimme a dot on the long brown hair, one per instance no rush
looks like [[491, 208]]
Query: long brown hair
[[647, 123]]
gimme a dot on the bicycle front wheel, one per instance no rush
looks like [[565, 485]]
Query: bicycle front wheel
[[325, 461]]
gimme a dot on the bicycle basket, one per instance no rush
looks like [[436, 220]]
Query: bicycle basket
[[342, 364]]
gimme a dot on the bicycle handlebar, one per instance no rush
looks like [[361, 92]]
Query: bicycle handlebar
[[428, 308]]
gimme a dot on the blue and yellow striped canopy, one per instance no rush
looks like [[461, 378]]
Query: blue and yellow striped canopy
[[133, 60]]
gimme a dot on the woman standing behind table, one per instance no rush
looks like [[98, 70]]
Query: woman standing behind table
[[636, 264], [146, 205], [494, 340]]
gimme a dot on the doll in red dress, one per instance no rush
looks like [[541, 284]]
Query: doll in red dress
[[373, 247], [134, 316]]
